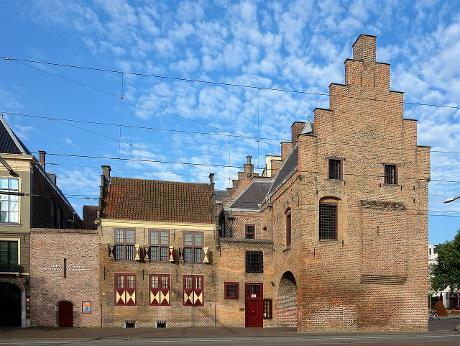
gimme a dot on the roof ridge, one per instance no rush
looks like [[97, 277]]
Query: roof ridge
[[161, 181], [21, 147]]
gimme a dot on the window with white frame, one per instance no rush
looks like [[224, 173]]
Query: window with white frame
[[9, 200]]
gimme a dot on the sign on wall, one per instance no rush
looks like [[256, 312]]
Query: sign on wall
[[86, 307]]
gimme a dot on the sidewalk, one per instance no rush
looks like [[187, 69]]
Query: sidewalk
[[104, 333], [443, 325]]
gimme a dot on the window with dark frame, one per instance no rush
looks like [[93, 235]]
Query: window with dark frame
[[9, 256], [288, 227], [193, 290], [250, 231], [335, 169], [124, 244], [327, 221], [125, 289], [231, 290], [160, 283], [193, 247], [391, 177], [268, 306], [159, 246], [254, 262]]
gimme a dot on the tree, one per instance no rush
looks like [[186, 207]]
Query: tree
[[447, 271]]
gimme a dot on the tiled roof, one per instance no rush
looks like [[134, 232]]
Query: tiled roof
[[253, 195], [9, 142], [154, 200], [289, 166]]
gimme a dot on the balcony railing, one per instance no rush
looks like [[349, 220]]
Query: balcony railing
[[10, 268]]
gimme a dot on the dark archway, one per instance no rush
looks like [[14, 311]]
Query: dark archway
[[10, 303], [287, 300], [65, 314]]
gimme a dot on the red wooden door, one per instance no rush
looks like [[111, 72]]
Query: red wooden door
[[65, 314], [254, 305]]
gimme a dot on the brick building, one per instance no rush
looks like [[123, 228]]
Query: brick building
[[332, 236], [29, 197], [157, 244], [64, 288], [338, 225]]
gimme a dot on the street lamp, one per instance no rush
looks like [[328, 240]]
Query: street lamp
[[452, 199]]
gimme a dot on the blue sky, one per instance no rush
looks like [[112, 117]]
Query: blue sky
[[287, 44]]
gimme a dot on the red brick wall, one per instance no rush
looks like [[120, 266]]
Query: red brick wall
[[48, 248]]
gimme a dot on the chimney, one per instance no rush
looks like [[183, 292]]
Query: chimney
[[211, 179], [296, 128], [248, 166], [53, 178], [42, 158], [106, 172], [364, 48]]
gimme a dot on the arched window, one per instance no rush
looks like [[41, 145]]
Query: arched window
[[288, 227], [328, 214]]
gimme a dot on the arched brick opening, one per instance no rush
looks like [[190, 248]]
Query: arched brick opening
[[287, 300]]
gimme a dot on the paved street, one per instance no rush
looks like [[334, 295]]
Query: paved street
[[442, 332], [378, 339]]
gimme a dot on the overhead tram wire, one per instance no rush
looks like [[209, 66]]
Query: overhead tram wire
[[223, 134], [227, 84], [142, 104], [148, 106]]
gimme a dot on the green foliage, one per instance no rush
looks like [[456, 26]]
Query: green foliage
[[447, 271]]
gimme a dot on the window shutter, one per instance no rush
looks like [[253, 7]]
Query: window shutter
[[198, 291], [205, 255], [147, 253], [171, 254], [188, 292], [137, 251], [111, 250], [181, 254]]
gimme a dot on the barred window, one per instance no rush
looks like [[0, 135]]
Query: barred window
[[124, 244], [268, 309], [335, 169], [250, 231], [231, 290], [327, 221], [391, 176], [193, 247], [254, 262], [159, 246]]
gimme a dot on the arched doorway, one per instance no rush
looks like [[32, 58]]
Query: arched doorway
[[65, 314], [10, 303], [287, 300]]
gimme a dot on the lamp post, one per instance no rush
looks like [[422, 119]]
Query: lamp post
[[452, 199]]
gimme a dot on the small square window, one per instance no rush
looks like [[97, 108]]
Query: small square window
[[335, 169], [391, 175], [231, 290], [250, 231]]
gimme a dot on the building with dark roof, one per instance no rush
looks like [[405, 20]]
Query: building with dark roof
[[158, 245], [29, 198], [331, 237]]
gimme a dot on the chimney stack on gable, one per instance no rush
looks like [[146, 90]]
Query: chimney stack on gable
[[42, 158], [106, 172], [211, 179], [364, 48], [248, 166], [296, 128]]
